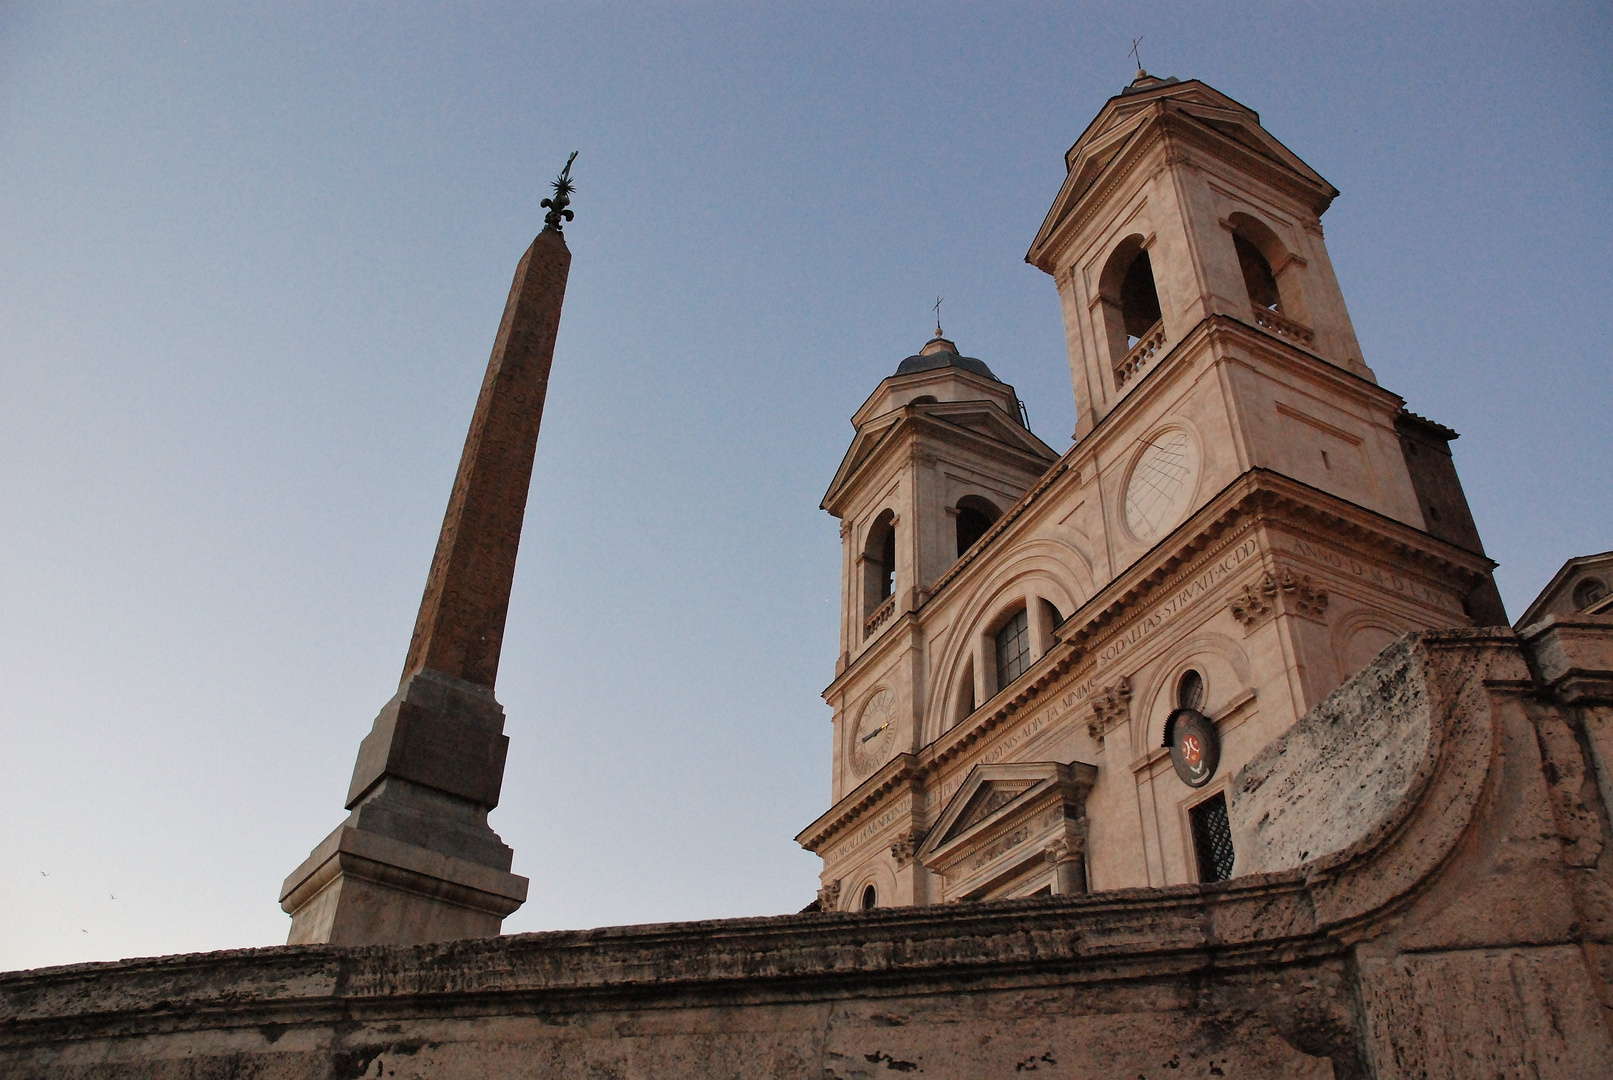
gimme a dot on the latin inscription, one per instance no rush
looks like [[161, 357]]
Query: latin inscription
[[1022, 734], [1385, 579], [1143, 628], [873, 828]]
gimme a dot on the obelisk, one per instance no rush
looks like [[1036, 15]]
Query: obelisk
[[416, 860]]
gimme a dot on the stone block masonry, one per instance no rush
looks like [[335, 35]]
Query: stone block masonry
[[1451, 920]]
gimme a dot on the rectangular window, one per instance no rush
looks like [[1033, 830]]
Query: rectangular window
[[1013, 649], [1212, 838]]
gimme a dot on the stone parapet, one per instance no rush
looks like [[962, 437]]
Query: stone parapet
[[1457, 924]]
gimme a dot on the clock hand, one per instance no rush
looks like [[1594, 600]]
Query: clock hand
[[876, 731]]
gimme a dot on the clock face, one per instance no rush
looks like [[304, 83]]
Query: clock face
[[1161, 484], [875, 733]]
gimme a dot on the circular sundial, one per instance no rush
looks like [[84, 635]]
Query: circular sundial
[[875, 733], [1161, 484]]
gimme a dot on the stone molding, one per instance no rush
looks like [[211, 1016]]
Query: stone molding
[[1110, 709], [829, 896], [1274, 594], [906, 844]]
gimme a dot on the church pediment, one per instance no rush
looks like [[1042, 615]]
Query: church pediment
[[1246, 130], [986, 419], [993, 796], [981, 419], [1128, 120]]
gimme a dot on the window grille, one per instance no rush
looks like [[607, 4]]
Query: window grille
[[1190, 691], [1013, 649], [1212, 838]]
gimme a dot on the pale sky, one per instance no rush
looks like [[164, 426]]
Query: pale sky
[[252, 260]]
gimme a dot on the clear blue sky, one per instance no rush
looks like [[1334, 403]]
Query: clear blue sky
[[252, 259]]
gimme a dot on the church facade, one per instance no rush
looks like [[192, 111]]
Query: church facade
[[1052, 664]]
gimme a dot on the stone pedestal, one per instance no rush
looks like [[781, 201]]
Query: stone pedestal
[[415, 860]]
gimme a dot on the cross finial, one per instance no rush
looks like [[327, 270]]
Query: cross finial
[[1135, 42], [938, 316]]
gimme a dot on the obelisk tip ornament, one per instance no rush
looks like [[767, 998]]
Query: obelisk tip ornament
[[557, 203], [415, 860]]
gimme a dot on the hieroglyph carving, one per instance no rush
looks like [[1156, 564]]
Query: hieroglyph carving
[[1110, 709], [1278, 592]]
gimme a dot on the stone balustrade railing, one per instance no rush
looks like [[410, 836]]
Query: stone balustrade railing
[[1150, 345], [1269, 320], [881, 613]]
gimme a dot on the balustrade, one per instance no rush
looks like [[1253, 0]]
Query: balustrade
[[1269, 320], [1150, 345], [881, 613]]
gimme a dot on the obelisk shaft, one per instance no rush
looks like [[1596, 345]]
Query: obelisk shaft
[[460, 628], [416, 860]]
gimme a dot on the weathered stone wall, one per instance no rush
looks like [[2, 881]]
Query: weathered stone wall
[[1460, 930], [1339, 773]]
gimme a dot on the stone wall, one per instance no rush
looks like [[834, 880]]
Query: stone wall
[[1452, 919]]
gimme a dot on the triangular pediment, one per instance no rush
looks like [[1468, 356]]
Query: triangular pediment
[[966, 419], [1127, 120], [992, 794]]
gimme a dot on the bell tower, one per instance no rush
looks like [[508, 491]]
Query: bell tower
[[1178, 206], [1185, 229]]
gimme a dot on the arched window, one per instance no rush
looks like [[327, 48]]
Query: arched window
[[1139, 300], [1270, 272], [1190, 691], [870, 898], [1588, 592], [923, 399], [1257, 276], [975, 516], [1132, 319], [1013, 648], [879, 572]]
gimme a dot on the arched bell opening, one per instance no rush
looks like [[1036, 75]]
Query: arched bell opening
[[879, 570], [1132, 317], [975, 516], [1270, 271]]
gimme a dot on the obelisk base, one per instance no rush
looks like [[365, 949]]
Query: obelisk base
[[361, 888]]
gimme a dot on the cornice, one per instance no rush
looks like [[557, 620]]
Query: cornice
[[1167, 121], [1257, 497], [913, 421]]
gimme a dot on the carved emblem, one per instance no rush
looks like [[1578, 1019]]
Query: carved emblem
[[1274, 592], [1110, 709], [829, 896], [1061, 851], [1195, 746], [902, 851]]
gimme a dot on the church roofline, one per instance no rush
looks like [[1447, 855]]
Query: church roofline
[[1161, 112], [1563, 573]]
